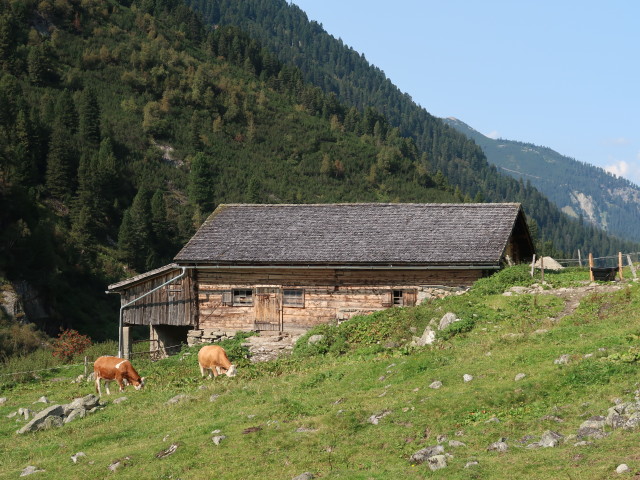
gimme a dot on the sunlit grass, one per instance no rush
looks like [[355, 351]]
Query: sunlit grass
[[312, 411]]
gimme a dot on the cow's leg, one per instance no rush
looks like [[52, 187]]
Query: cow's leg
[[120, 381], [98, 386], [202, 370], [106, 386]]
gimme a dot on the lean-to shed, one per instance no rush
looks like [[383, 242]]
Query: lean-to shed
[[290, 267]]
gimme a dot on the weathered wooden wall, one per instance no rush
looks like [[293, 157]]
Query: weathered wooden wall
[[173, 304], [329, 294]]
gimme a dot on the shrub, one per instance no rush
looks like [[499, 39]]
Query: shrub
[[70, 343]]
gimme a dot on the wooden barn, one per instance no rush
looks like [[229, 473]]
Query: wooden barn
[[290, 267]]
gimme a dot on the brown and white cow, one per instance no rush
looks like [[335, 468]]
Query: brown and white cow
[[214, 358], [118, 369]]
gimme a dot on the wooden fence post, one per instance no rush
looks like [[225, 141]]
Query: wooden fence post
[[633, 269], [533, 264], [591, 267], [85, 366], [542, 267], [620, 265], [579, 258]]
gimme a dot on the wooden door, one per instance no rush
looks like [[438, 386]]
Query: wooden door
[[268, 309]]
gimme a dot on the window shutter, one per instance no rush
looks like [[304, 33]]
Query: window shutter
[[387, 298], [227, 298]]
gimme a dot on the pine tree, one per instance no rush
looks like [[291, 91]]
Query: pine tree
[[89, 119], [201, 180], [60, 164]]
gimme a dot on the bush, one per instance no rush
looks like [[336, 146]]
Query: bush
[[499, 282], [69, 344]]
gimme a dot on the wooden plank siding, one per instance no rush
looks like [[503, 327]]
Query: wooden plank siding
[[329, 294], [174, 304]]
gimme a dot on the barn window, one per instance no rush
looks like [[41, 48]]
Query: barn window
[[398, 297], [242, 297], [293, 297]]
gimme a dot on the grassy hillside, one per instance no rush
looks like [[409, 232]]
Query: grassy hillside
[[317, 410]]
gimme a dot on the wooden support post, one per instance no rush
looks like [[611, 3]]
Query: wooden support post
[[591, 266], [579, 258], [542, 267], [633, 269], [533, 264], [620, 265], [126, 342], [86, 369]]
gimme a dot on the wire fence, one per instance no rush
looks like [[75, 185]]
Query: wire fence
[[159, 353], [605, 261]]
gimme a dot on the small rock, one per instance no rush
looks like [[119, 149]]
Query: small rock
[[120, 400], [456, 443], [493, 420], [425, 454], [596, 433], [74, 458], [375, 419], [3, 400], [218, 439], [29, 470], [622, 468], [169, 451], [519, 377], [437, 462], [550, 439], [313, 339], [437, 384], [552, 418], [304, 476], [594, 422], [562, 360], [472, 463], [583, 443], [177, 399], [42, 399], [213, 397], [500, 446], [467, 378], [25, 413]]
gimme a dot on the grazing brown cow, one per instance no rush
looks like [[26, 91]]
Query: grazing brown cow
[[118, 369], [214, 358]]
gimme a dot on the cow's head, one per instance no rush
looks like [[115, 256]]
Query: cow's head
[[232, 371], [139, 384]]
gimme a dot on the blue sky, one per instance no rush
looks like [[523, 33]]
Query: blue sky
[[560, 74]]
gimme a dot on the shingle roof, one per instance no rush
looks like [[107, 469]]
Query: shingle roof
[[353, 234], [143, 276]]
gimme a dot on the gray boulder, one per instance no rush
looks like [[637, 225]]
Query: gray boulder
[[425, 454], [447, 320], [38, 421], [75, 414], [550, 439], [437, 462]]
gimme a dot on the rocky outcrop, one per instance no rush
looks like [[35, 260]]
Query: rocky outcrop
[[57, 415]]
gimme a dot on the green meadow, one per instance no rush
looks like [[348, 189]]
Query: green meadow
[[358, 404]]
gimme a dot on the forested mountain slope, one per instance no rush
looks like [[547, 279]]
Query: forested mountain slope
[[122, 125], [579, 189], [340, 70]]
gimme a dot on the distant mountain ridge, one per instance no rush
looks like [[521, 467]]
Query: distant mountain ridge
[[577, 188]]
